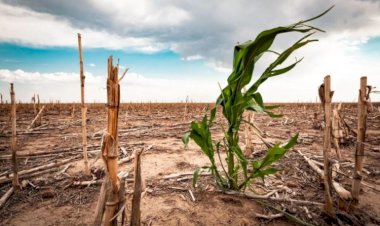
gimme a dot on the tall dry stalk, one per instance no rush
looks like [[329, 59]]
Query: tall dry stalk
[[73, 111], [326, 100], [84, 109], [359, 152], [185, 111], [16, 183], [34, 105], [39, 122]]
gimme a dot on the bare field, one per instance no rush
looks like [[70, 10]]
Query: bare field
[[53, 198]]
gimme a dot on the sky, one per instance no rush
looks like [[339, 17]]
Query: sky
[[175, 49]]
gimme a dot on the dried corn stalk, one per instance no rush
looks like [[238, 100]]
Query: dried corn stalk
[[362, 127], [83, 109], [111, 199], [16, 184], [39, 120], [325, 95]]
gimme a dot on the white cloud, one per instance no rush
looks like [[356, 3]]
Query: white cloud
[[50, 86], [219, 66], [134, 87], [193, 57], [35, 78], [92, 65], [130, 13], [21, 25]]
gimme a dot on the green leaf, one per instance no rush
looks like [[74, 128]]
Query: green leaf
[[185, 138], [242, 159], [270, 72], [273, 154], [273, 115], [269, 171], [255, 165], [195, 177], [259, 99], [272, 107], [276, 152], [291, 142], [212, 116], [285, 69], [263, 173], [318, 16]]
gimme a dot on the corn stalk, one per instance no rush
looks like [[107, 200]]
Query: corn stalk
[[234, 102]]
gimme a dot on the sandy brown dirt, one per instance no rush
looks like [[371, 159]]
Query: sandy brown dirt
[[55, 201]]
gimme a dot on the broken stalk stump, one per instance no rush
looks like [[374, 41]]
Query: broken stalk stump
[[83, 108], [359, 152], [110, 149], [15, 181], [326, 100], [136, 213]]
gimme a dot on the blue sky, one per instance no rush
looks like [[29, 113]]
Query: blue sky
[[163, 64], [176, 49], [372, 47]]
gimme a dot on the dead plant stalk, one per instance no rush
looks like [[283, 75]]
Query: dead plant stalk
[[359, 153], [16, 184], [84, 108], [110, 149], [326, 100]]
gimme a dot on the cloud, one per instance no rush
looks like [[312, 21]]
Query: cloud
[[50, 86], [35, 78], [193, 57], [92, 65], [41, 29], [134, 87], [208, 31]]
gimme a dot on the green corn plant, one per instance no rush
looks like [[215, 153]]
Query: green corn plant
[[234, 102]]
